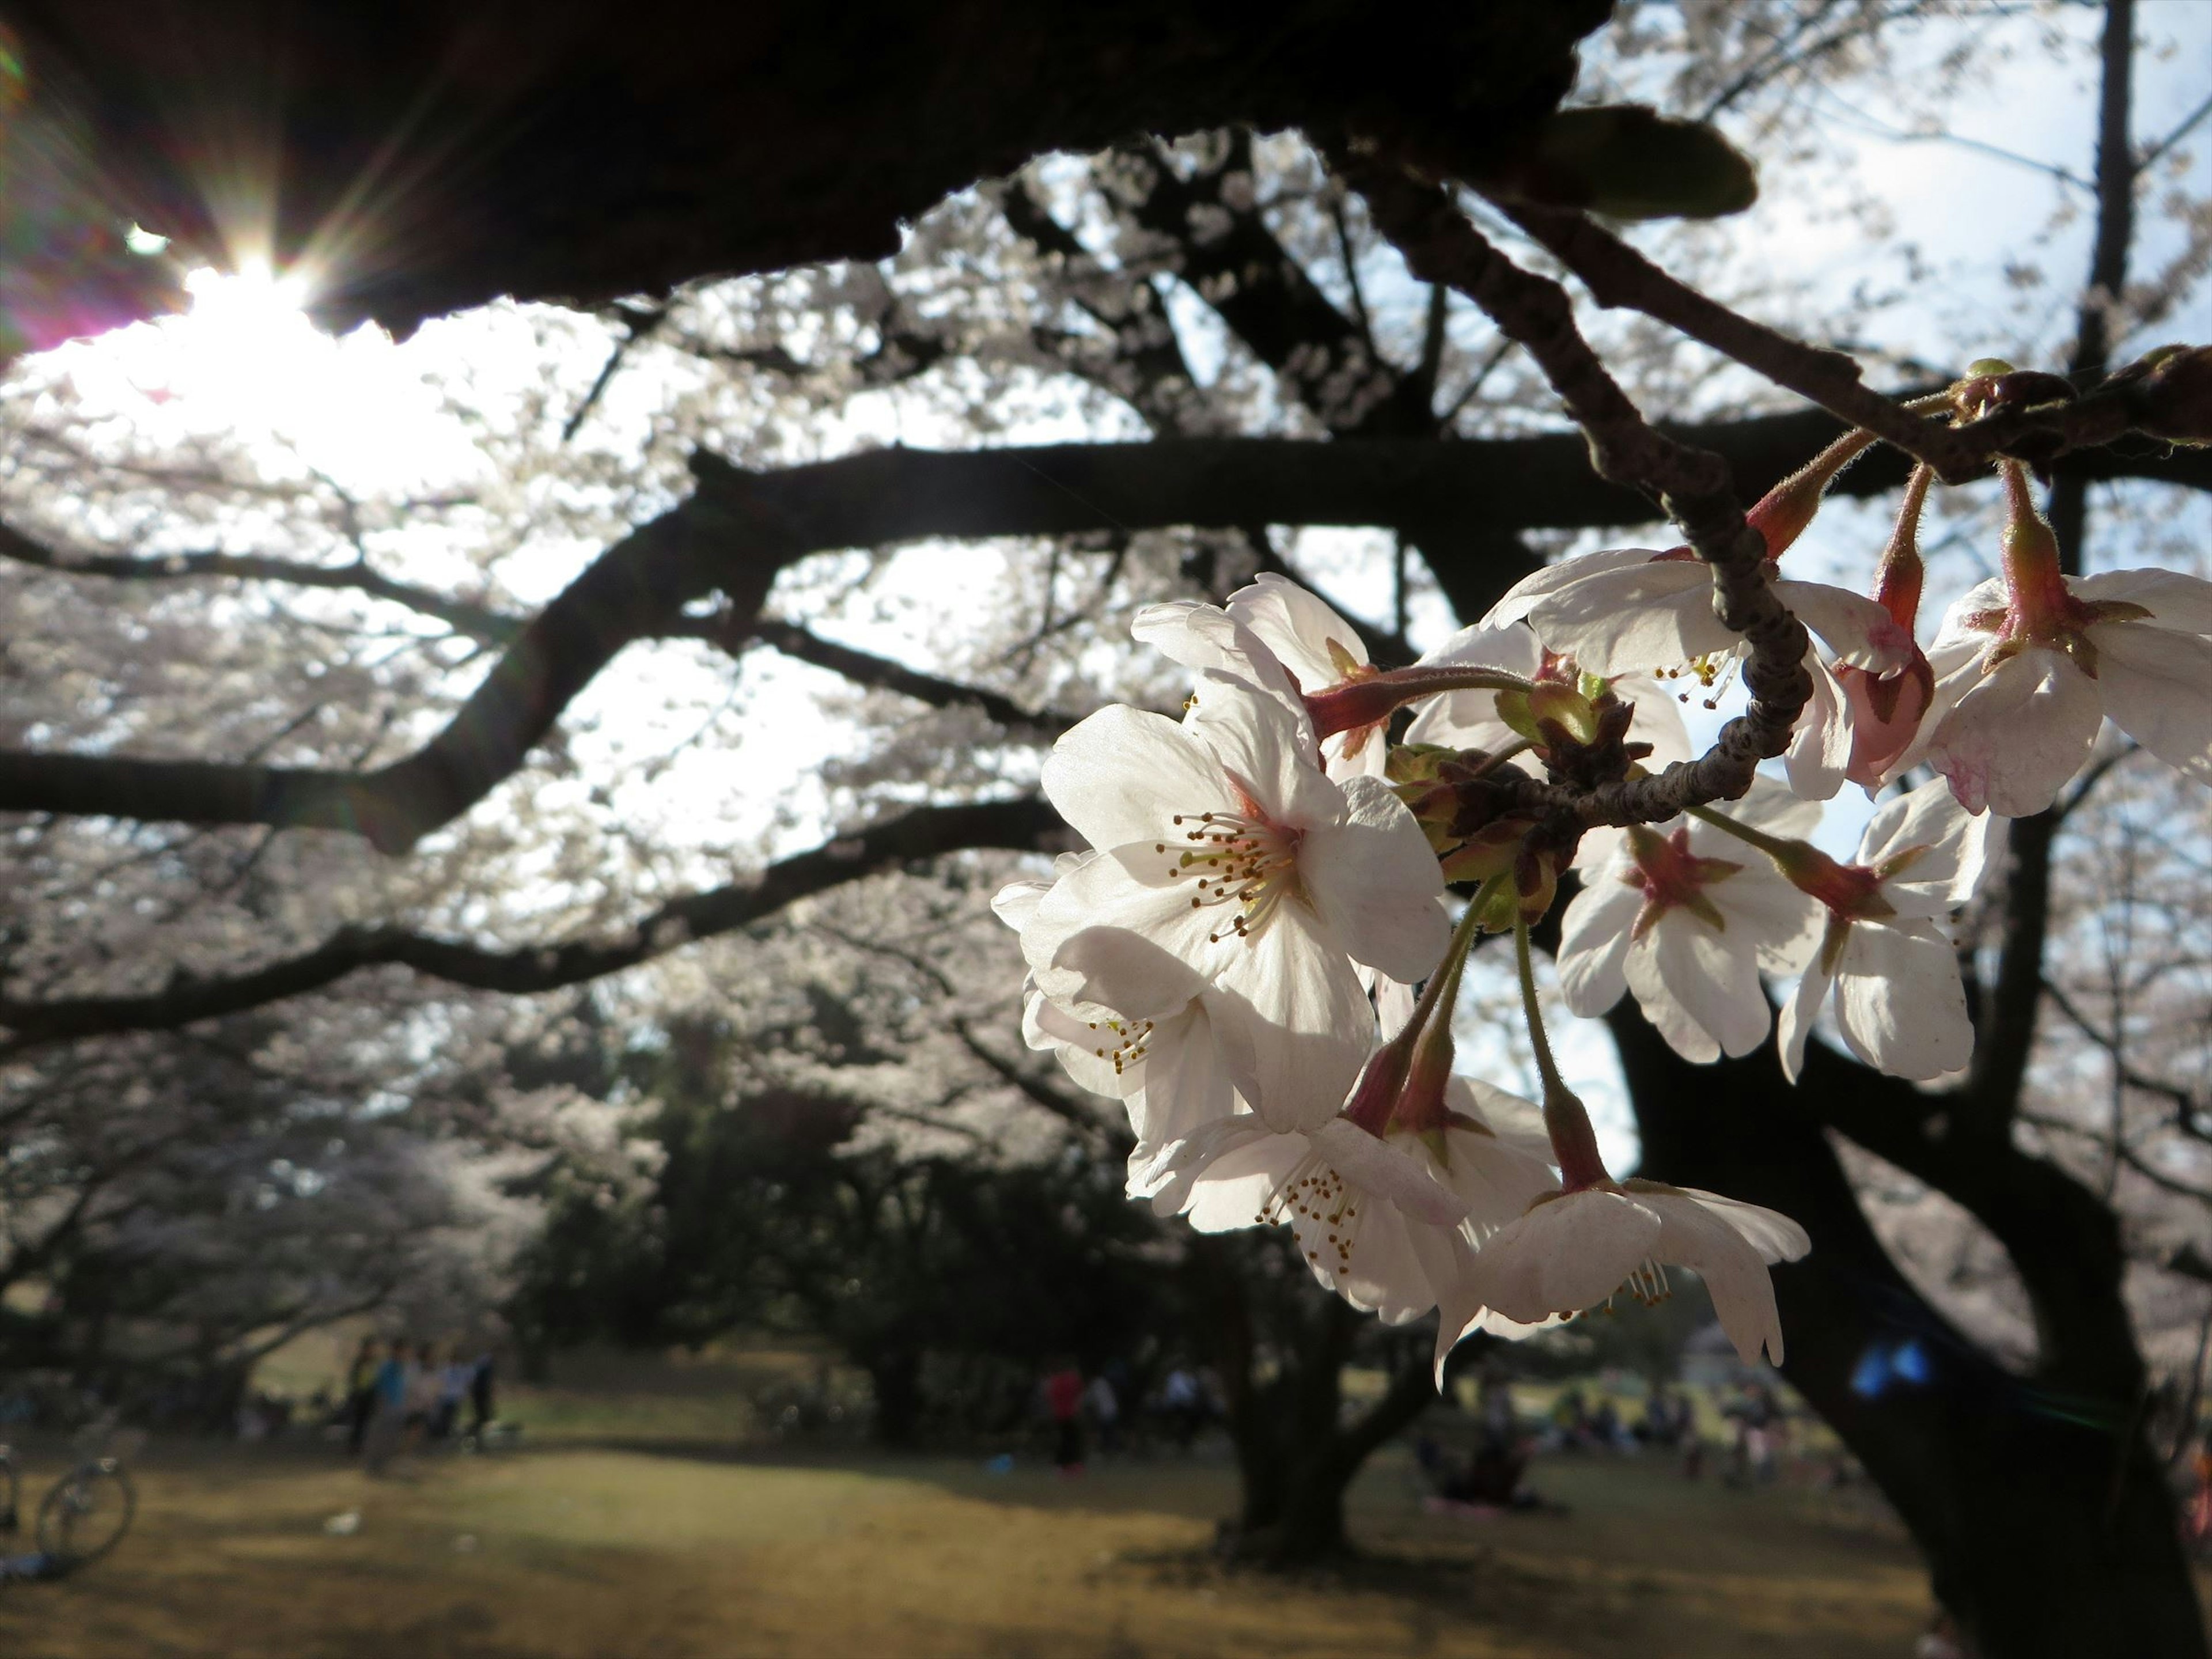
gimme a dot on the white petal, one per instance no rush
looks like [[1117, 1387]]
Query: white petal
[[1735, 1277], [1267, 751], [1594, 943], [1294, 1025], [1565, 1255], [1799, 1013], [1899, 1001], [1523, 596], [1374, 1166], [1122, 774], [2158, 689], [1643, 616], [1931, 818], [1857, 629], [1132, 946], [1819, 751], [1373, 880], [2018, 736], [1716, 978], [1185, 1082], [1298, 627], [2173, 601]]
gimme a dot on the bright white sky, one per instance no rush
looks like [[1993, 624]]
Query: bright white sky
[[360, 410]]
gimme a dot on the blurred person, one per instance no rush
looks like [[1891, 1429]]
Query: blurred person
[[481, 1382], [388, 1410], [1501, 1423], [455, 1377], [360, 1402], [420, 1397], [1063, 1400], [1103, 1407], [1183, 1405]]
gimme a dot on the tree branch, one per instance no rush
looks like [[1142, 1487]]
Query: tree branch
[[1025, 823], [478, 622], [1693, 485], [741, 528]]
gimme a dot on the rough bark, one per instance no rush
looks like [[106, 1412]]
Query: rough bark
[[432, 156], [2039, 1502], [1296, 1457]]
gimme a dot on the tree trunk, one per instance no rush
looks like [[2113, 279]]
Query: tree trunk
[[2048, 1527], [896, 1377], [1294, 1457]]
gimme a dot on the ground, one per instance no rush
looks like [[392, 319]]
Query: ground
[[595, 1551]]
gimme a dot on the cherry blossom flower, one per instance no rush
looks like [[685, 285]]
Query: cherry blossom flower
[[1389, 1222], [1575, 1250], [1229, 864], [1887, 951], [1282, 640], [1687, 917], [2029, 673], [1470, 719], [1631, 609]]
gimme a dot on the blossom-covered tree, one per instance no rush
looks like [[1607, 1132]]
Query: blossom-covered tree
[[1342, 331]]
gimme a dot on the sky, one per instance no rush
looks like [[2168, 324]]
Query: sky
[[365, 411]]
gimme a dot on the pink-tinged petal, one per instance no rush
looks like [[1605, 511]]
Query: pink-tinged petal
[[1899, 1002], [1265, 751], [1820, 752], [1293, 1023], [1375, 1167], [1644, 616], [2016, 738], [1885, 715], [1594, 943], [1373, 881], [1298, 627], [2174, 601], [1565, 1255], [1957, 640], [2158, 689], [1799, 1013], [1122, 774], [1524, 595], [1855, 629]]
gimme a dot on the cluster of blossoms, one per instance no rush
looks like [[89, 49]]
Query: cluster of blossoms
[[1260, 955]]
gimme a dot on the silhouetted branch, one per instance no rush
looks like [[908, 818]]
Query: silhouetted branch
[[922, 833]]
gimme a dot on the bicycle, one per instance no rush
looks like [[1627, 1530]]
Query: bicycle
[[83, 1516]]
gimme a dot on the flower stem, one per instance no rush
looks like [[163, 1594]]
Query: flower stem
[[1374, 699], [1783, 853], [1574, 1143], [1897, 579]]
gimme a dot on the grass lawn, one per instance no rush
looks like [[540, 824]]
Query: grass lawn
[[572, 1550]]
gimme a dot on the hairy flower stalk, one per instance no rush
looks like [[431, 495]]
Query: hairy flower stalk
[[1370, 701]]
